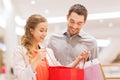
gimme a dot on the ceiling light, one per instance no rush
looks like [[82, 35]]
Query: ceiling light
[[46, 11], [56, 20], [19, 31], [33, 2], [110, 25], [98, 16], [2, 22], [61, 19], [2, 46], [19, 21]]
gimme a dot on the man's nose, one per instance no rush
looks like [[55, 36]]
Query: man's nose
[[75, 26]]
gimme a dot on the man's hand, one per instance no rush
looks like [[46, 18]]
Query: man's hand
[[84, 55]]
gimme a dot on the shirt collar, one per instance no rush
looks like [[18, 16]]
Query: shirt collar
[[80, 34]]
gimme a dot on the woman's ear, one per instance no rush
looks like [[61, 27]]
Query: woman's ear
[[31, 31]]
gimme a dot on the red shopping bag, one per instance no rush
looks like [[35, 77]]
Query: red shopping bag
[[65, 73]]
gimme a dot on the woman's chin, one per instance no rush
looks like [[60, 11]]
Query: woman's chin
[[41, 41]]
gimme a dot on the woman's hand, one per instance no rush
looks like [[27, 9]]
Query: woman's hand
[[39, 55]]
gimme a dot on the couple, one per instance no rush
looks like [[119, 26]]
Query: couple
[[31, 60]]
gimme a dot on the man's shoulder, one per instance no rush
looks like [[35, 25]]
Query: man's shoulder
[[88, 37], [85, 35], [57, 35]]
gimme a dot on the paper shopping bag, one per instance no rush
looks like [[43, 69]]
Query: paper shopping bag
[[65, 73], [102, 72], [94, 72]]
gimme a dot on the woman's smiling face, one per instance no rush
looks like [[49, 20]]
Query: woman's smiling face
[[40, 31]]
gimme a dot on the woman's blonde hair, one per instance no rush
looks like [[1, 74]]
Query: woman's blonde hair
[[27, 38]]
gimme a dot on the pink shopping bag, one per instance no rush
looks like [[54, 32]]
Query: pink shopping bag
[[94, 72]]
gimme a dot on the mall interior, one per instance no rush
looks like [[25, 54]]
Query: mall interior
[[103, 23]]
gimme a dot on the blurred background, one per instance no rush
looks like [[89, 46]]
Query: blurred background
[[103, 23]]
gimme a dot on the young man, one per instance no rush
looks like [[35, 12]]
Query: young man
[[73, 42]]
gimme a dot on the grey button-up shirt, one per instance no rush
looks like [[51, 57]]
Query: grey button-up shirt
[[66, 48]]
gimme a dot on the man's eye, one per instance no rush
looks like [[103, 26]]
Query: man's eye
[[71, 21], [80, 23]]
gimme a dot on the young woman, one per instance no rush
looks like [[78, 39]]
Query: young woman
[[29, 57]]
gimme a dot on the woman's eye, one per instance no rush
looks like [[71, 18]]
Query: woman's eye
[[41, 30]]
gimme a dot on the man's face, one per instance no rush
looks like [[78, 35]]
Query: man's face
[[75, 23]]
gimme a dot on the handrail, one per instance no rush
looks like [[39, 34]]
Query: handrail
[[111, 64]]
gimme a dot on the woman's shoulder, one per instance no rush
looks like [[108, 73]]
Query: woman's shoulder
[[49, 50], [20, 49]]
